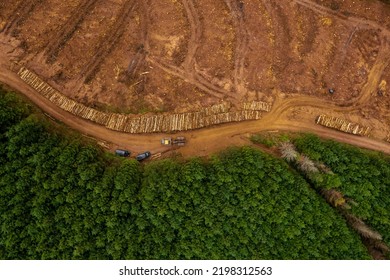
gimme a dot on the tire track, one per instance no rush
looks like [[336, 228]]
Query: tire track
[[205, 82], [138, 60], [182, 74], [350, 20], [277, 118], [6, 9], [190, 66], [203, 142], [382, 60], [282, 39], [196, 34], [189, 69], [108, 42], [374, 77], [236, 7], [145, 5], [65, 32], [20, 14]]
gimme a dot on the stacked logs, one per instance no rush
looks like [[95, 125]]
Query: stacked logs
[[343, 125], [60, 100], [257, 106], [208, 116]]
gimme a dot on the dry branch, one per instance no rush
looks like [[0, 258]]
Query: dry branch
[[362, 228]]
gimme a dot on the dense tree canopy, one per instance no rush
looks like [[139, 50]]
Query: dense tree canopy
[[62, 199], [243, 204], [364, 176]]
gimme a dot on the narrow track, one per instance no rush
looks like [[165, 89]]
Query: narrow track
[[341, 55], [236, 7], [207, 82], [139, 59], [145, 7], [108, 42], [20, 14], [208, 140], [189, 70], [196, 34], [203, 141], [283, 39], [182, 74], [371, 87], [349, 20], [65, 32]]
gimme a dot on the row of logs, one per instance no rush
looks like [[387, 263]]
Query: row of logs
[[208, 116], [343, 125]]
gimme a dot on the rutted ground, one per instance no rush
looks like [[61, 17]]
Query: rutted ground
[[195, 53], [181, 56]]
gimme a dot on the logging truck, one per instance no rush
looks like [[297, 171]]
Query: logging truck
[[168, 141]]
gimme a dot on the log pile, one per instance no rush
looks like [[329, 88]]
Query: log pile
[[343, 125], [223, 107], [208, 116], [257, 106], [60, 100]]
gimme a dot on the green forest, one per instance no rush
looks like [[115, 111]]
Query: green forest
[[364, 178], [64, 198]]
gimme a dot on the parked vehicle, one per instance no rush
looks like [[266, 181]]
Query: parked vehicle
[[166, 141], [122, 153], [180, 141], [143, 156]]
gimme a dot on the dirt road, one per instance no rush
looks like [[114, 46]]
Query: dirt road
[[290, 112], [200, 142]]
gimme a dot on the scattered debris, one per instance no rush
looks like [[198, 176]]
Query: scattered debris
[[155, 156], [103, 144], [49, 116], [382, 88]]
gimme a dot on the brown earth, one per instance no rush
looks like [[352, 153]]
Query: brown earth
[[179, 56]]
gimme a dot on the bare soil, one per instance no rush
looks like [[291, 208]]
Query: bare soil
[[110, 54], [182, 55]]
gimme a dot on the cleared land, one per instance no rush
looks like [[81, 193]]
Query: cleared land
[[176, 57]]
